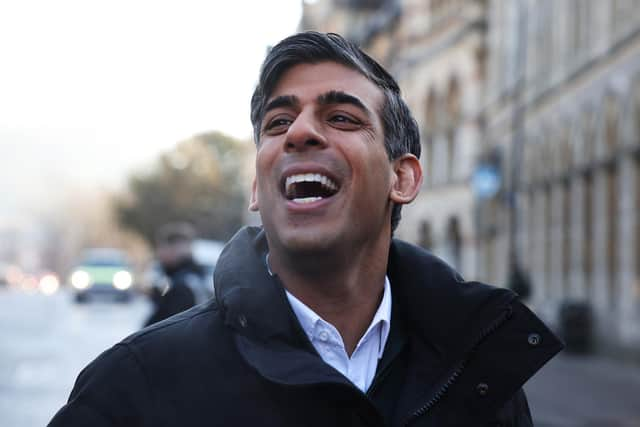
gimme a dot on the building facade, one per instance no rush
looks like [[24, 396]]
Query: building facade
[[546, 91], [563, 106]]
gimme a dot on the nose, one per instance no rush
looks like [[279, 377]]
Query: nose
[[304, 133]]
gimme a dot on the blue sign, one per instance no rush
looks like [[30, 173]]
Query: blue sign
[[486, 181]]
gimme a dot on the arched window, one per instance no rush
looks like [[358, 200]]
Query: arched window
[[481, 54], [587, 244], [430, 128], [431, 112], [425, 236], [612, 231], [636, 108], [611, 122], [454, 241], [566, 235], [548, 237], [637, 231], [564, 169], [454, 104], [589, 133], [453, 120]]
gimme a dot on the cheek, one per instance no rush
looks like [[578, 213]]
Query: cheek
[[264, 162], [380, 166]]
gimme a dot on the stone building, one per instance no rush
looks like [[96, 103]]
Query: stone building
[[562, 105], [548, 93]]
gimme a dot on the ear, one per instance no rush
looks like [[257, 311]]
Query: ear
[[253, 202], [407, 179]]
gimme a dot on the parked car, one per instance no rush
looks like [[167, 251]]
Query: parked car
[[103, 272], [206, 253]]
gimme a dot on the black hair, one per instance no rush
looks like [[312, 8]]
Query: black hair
[[175, 233], [401, 135]]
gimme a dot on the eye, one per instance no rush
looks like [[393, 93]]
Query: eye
[[344, 121], [277, 125]]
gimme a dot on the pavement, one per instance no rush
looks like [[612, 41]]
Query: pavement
[[585, 391]]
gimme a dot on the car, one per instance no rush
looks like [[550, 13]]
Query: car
[[103, 273], [206, 253]]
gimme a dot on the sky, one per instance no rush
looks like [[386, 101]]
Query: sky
[[92, 90]]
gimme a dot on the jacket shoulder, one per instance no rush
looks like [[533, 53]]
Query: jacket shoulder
[[111, 390], [188, 328]]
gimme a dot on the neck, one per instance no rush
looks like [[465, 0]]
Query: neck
[[344, 290]]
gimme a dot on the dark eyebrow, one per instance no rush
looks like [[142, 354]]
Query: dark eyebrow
[[283, 101], [339, 97]]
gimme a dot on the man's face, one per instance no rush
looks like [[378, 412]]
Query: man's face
[[170, 254], [323, 177]]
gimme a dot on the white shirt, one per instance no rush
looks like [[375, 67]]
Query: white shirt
[[360, 368]]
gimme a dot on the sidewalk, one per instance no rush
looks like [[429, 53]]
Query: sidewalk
[[585, 391]]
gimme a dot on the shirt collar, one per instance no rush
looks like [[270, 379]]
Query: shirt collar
[[308, 318], [383, 316]]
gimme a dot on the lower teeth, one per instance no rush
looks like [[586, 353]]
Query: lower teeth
[[306, 199]]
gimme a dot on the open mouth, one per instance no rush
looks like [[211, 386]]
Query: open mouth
[[309, 187]]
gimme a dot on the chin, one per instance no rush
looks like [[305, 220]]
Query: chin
[[307, 241]]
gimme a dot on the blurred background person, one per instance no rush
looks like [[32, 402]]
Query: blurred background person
[[185, 284]]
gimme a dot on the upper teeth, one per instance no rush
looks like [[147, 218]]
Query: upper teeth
[[310, 177]]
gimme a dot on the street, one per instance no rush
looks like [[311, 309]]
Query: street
[[574, 391], [46, 340], [44, 343]]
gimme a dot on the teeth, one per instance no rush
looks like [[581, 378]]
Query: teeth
[[310, 177], [304, 200]]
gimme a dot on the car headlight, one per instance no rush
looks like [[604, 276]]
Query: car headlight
[[122, 280], [80, 279], [49, 284]]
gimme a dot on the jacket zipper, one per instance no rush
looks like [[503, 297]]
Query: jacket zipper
[[453, 377]]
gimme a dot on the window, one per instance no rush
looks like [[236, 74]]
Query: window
[[637, 232], [430, 128], [426, 239], [566, 236], [454, 242], [611, 123], [612, 232], [587, 248]]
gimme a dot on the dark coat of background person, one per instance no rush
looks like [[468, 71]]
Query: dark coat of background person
[[184, 278], [458, 354]]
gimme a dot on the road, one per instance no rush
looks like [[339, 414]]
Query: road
[[573, 391], [45, 342]]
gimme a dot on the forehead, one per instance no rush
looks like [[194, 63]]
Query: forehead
[[308, 81]]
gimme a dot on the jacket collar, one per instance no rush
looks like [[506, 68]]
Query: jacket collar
[[268, 335], [449, 316], [249, 294], [253, 300]]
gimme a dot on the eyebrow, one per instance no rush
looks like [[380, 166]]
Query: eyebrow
[[339, 97], [284, 101], [330, 98]]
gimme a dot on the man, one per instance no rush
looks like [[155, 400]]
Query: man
[[186, 283], [321, 318]]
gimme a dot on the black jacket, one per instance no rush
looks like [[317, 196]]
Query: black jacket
[[182, 291], [458, 355]]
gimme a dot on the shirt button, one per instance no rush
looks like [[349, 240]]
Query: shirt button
[[324, 336], [534, 339], [242, 320], [482, 389]]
